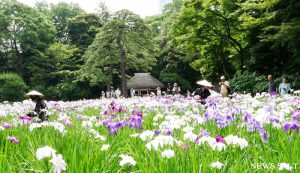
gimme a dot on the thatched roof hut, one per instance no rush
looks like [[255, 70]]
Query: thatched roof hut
[[143, 83]]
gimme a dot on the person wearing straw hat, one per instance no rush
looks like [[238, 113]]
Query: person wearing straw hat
[[40, 109], [203, 91], [224, 87]]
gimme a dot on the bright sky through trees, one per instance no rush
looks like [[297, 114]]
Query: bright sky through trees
[[141, 7]]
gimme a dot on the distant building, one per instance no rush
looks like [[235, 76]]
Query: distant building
[[162, 4], [144, 83]]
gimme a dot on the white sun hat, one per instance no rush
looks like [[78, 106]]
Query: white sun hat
[[34, 93], [204, 83]]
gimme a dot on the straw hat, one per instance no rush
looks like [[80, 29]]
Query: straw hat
[[204, 83], [222, 77], [34, 93]]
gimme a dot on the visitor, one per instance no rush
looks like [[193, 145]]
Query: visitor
[[188, 94], [112, 93], [176, 89], [103, 95], [284, 87], [118, 93], [158, 92], [132, 92], [203, 92], [40, 109], [169, 88], [224, 87], [108, 94], [272, 85]]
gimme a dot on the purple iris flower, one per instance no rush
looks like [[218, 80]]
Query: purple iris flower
[[107, 122], [212, 104], [113, 130], [156, 132], [135, 121], [13, 139], [295, 116], [120, 109], [273, 120], [79, 117], [291, 126], [105, 112], [221, 121], [247, 117], [139, 113], [263, 135], [203, 132], [6, 125], [208, 116], [169, 133], [21, 117], [219, 139], [114, 127]]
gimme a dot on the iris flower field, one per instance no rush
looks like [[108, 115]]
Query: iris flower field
[[172, 134]]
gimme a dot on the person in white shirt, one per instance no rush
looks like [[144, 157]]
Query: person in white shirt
[[176, 89], [158, 92], [224, 85]]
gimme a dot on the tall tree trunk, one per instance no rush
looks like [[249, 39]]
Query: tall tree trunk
[[122, 67]]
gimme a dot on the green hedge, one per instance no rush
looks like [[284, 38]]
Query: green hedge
[[12, 87]]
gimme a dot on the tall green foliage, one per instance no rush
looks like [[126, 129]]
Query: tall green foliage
[[61, 13], [172, 63], [12, 87], [82, 29], [274, 27], [25, 35], [123, 41]]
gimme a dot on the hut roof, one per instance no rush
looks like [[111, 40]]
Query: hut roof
[[143, 81]]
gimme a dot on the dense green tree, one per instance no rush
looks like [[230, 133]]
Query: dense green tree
[[210, 32], [123, 41], [82, 29], [61, 13], [172, 64], [60, 62], [25, 35], [274, 27]]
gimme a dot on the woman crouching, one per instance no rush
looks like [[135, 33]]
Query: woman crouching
[[40, 109]]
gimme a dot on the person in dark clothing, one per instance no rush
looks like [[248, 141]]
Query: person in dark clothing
[[203, 92], [40, 109], [272, 85]]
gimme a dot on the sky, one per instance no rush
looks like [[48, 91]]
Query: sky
[[141, 7]]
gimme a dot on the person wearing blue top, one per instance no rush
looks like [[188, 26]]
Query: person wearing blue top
[[284, 87]]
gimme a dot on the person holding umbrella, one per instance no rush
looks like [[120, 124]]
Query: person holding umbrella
[[203, 92], [40, 109]]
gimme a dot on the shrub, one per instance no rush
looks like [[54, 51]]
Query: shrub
[[249, 83], [12, 87]]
